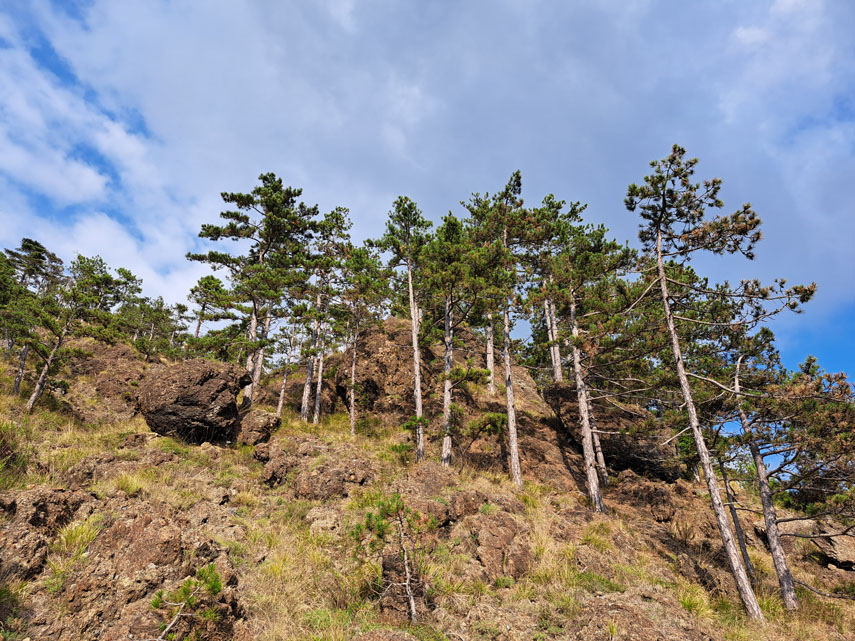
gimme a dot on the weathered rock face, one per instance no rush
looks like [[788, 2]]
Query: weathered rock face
[[105, 384], [257, 426], [34, 516], [314, 471], [641, 452], [194, 400], [839, 550], [384, 373]]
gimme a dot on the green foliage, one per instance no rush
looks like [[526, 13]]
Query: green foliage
[[191, 599], [14, 454]]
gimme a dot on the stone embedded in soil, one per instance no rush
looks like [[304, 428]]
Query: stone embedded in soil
[[257, 426], [195, 400]]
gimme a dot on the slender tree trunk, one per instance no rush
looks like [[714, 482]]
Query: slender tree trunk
[[199, 322], [42, 381], [598, 450], [746, 592], [310, 366], [353, 380], [552, 333], [770, 518], [415, 322], [21, 366], [408, 576], [582, 402], [446, 384], [252, 336], [258, 362], [319, 385], [281, 403], [136, 335], [513, 444], [737, 526], [491, 377]]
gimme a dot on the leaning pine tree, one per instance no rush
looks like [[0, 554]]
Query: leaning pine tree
[[675, 228]]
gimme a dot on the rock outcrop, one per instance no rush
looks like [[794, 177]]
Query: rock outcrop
[[194, 400], [257, 426], [624, 446], [105, 383]]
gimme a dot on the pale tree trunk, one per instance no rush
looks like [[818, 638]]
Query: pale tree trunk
[[446, 384], [415, 322], [151, 332], [21, 366], [513, 444], [598, 450], [319, 385], [737, 526], [552, 333], [252, 336], [258, 363], [770, 518], [353, 380], [310, 366], [281, 403], [491, 377], [746, 592], [40, 384], [584, 419], [136, 335]]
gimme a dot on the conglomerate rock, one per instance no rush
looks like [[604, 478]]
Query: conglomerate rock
[[194, 400]]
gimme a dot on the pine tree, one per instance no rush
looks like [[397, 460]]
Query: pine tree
[[365, 290], [277, 238], [452, 277], [407, 233], [674, 227]]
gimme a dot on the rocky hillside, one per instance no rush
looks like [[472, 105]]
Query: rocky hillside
[[212, 528]]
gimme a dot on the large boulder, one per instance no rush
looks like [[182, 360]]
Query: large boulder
[[194, 400]]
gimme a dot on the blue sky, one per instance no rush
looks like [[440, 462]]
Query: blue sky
[[121, 122]]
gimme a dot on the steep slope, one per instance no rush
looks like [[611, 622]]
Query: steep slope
[[98, 517]]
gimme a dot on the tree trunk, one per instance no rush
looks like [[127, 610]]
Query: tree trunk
[[281, 403], [353, 381], [582, 402], [415, 321], [320, 382], [40, 384], [737, 526], [746, 592], [258, 361], [252, 336], [199, 322], [491, 378], [446, 384], [598, 450], [21, 365], [513, 445], [770, 518], [310, 366], [552, 333]]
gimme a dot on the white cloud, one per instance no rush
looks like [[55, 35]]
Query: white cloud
[[359, 102]]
